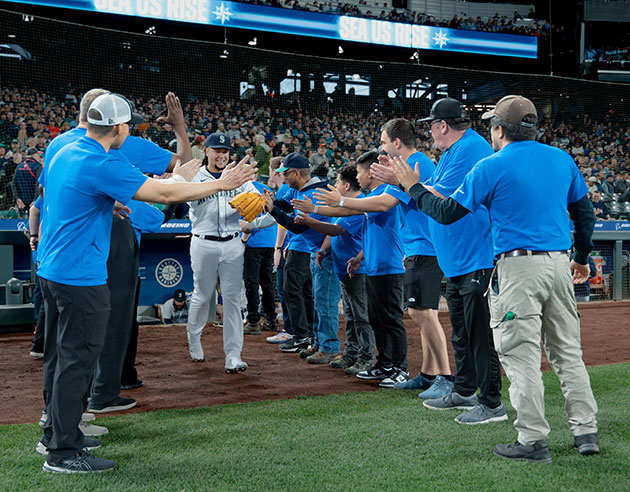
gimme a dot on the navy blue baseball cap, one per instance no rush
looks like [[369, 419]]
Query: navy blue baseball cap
[[218, 141], [445, 109], [180, 295], [294, 160]]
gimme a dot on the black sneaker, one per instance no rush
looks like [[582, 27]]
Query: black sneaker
[[587, 443], [308, 351], [267, 325], [294, 345], [117, 405], [80, 463], [374, 373], [536, 453], [37, 350], [137, 384]]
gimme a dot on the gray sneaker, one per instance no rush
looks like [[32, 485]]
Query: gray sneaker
[[536, 453], [358, 367], [80, 463], [88, 445], [452, 400], [482, 414], [587, 443]]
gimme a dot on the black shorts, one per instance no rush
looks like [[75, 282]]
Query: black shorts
[[423, 279]]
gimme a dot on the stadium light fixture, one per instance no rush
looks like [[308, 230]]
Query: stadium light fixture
[[151, 30], [27, 18], [224, 55], [340, 50], [11, 36], [253, 42], [289, 72]]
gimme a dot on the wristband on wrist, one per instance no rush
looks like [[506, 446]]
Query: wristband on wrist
[[343, 199], [34, 235], [279, 247], [315, 209]]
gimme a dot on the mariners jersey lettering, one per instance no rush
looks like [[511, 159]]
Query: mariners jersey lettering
[[213, 215]]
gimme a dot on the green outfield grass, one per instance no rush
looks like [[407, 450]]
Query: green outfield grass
[[381, 441]]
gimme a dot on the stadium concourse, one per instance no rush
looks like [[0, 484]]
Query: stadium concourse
[[172, 380]]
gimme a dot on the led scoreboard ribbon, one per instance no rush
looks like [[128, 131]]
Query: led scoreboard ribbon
[[303, 23]]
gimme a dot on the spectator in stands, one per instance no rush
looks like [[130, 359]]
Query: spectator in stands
[[592, 184], [319, 158], [608, 186], [621, 183], [175, 310], [24, 183], [262, 154], [600, 208]]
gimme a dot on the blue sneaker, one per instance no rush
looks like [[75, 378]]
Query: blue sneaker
[[440, 387], [419, 382]]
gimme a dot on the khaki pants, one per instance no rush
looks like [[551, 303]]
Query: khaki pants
[[538, 290]]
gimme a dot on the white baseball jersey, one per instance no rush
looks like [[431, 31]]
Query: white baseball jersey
[[213, 215]]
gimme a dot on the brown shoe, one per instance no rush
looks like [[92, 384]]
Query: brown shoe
[[252, 329], [308, 351], [323, 357]]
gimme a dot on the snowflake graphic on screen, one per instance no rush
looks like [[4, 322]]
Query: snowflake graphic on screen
[[222, 13], [440, 38]]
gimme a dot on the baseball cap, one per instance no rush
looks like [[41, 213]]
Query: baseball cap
[[322, 145], [294, 160], [33, 151], [444, 109], [512, 109], [218, 140], [180, 295], [592, 179], [112, 109]]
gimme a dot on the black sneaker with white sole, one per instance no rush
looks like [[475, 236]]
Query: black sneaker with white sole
[[294, 345], [80, 463], [115, 406], [397, 376], [374, 373]]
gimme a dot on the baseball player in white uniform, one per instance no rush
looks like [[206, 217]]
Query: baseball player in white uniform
[[216, 250]]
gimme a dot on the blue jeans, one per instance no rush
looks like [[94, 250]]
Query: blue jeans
[[326, 295], [280, 286]]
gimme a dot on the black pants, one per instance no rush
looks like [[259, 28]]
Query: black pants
[[129, 374], [385, 310], [298, 293], [76, 322], [258, 270], [476, 360], [122, 271]]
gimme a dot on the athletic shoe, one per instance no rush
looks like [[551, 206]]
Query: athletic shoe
[[88, 445], [252, 329], [322, 357], [37, 351], [43, 419], [342, 362], [419, 382], [482, 414], [137, 384], [267, 325], [308, 351], [280, 337], [194, 347], [587, 443], [91, 430], [373, 373], [115, 406], [234, 364], [358, 367], [85, 417], [440, 388], [294, 345], [80, 463], [399, 376], [452, 400], [536, 453]]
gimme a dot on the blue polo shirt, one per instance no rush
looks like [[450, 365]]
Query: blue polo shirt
[[310, 240], [525, 212], [466, 245], [382, 245], [262, 238], [82, 184], [348, 244], [282, 192], [144, 218], [415, 235]]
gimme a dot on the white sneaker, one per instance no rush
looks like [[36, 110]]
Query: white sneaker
[[234, 364], [91, 430], [194, 347], [280, 337]]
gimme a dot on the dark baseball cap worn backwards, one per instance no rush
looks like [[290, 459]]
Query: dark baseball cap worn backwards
[[218, 140], [445, 109], [513, 109], [294, 160]]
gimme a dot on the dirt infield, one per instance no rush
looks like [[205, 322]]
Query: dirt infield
[[172, 380]]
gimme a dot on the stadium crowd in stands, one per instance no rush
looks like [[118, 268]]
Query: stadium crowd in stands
[[29, 120]]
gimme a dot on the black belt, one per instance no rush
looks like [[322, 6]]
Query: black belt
[[526, 252], [217, 238]]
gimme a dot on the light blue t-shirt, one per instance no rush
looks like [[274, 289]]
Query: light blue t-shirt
[[466, 245], [525, 212], [348, 244], [144, 218], [262, 238], [415, 235], [82, 184], [382, 245], [281, 194]]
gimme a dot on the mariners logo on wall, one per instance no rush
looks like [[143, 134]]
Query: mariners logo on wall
[[169, 272]]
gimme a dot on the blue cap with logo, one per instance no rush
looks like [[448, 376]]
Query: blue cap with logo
[[294, 160], [218, 141]]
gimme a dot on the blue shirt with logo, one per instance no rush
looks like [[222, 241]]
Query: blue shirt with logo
[[82, 184], [348, 244], [382, 245], [525, 212], [262, 238], [415, 235], [281, 194], [466, 245]]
